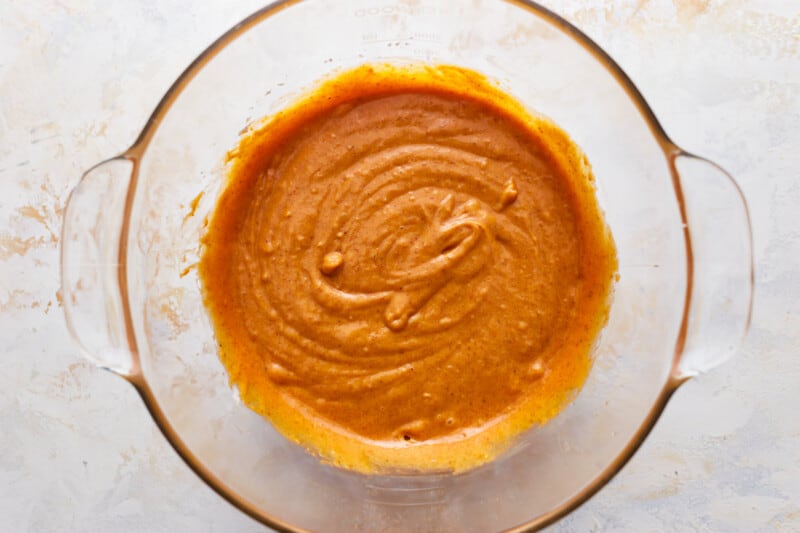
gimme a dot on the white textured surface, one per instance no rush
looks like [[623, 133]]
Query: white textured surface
[[78, 78]]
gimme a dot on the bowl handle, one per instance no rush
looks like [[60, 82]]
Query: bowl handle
[[90, 265], [719, 241]]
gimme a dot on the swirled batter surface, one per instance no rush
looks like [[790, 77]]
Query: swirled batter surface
[[406, 269]]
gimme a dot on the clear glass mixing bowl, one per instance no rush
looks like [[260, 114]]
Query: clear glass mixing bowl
[[133, 224]]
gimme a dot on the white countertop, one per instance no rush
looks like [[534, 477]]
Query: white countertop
[[78, 452]]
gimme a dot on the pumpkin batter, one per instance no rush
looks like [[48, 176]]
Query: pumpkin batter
[[406, 269]]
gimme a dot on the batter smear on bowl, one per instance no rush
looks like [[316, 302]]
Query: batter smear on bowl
[[406, 269]]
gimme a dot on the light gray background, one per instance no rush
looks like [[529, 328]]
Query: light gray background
[[78, 78]]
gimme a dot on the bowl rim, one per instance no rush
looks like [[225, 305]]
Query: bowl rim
[[136, 151]]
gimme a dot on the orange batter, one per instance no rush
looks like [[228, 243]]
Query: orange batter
[[406, 269]]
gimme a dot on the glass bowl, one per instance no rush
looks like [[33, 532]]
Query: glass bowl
[[133, 225]]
